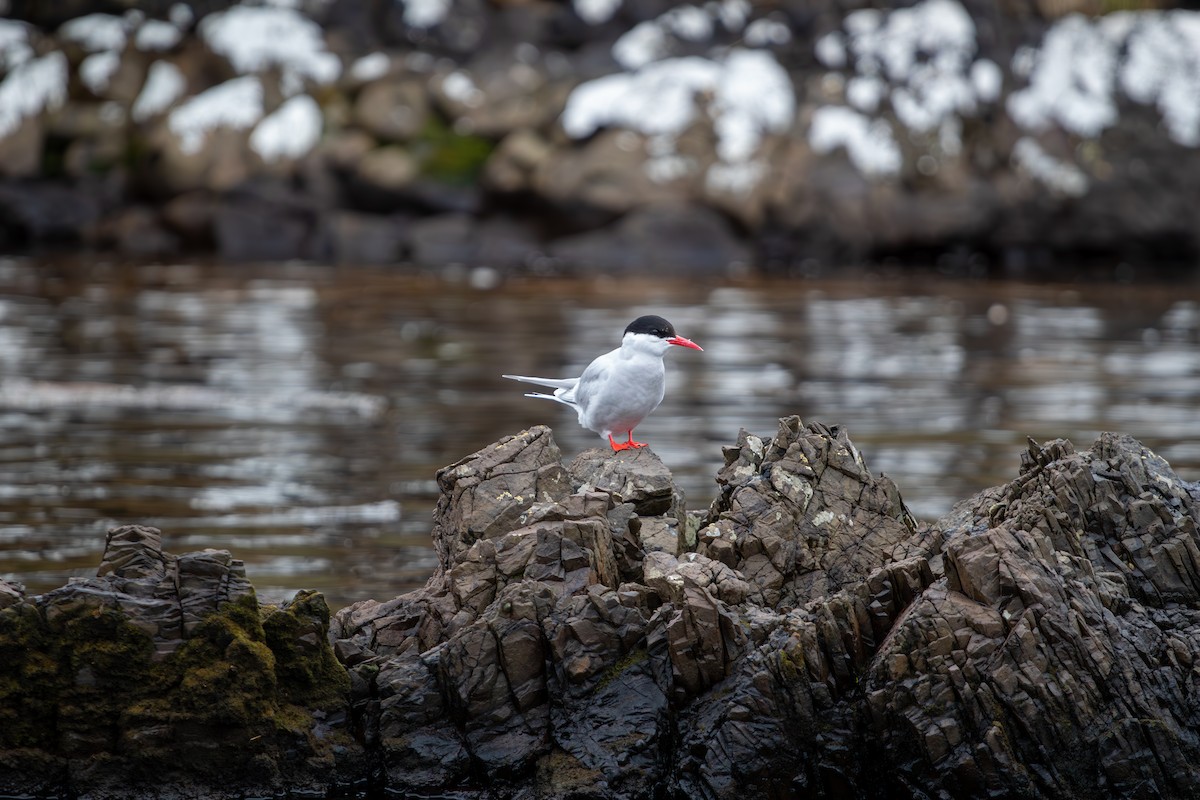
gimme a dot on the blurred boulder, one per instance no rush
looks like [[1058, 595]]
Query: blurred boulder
[[393, 109], [138, 232], [660, 240], [357, 238]]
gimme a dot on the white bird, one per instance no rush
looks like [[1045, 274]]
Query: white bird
[[620, 388]]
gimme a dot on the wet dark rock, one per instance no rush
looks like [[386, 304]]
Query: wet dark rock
[[357, 238], [485, 495], [667, 240], [49, 211], [267, 223], [801, 516], [10, 593], [1039, 641], [448, 239], [163, 671], [21, 150], [629, 476], [139, 232], [1069, 622]]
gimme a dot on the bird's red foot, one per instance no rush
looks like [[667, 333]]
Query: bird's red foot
[[629, 445]]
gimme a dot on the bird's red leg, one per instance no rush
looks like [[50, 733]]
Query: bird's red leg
[[618, 446], [625, 445]]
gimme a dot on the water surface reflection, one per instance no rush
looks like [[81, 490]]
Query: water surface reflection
[[296, 414]]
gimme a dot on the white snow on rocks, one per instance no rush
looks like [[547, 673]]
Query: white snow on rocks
[[651, 40], [255, 39], [155, 35], [1152, 56], [869, 143], [924, 53], [1071, 82], [236, 104], [370, 67], [96, 32], [291, 131], [14, 43], [596, 12], [31, 87], [1059, 176], [164, 85], [425, 14], [751, 95], [97, 70], [921, 60]]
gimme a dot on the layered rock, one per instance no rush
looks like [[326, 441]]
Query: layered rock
[[584, 635], [164, 674]]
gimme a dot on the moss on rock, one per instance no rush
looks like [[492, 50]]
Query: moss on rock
[[307, 671]]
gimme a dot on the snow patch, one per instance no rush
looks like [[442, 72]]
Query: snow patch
[[236, 104], [97, 70], [767, 32], [652, 40], [924, 52], [596, 12], [688, 22], [751, 95], [371, 67], [291, 131], [1071, 83], [30, 88], [155, 36], [865, 92], [1060, 176], [181, 15], [14, 43], [459, 87], [657, 99], [641, 44], [732, 14], [255, 39], [1152, 56], [869, 143], [425, 14], [922, 61], [987, 80], [164, 85], [96, 32]]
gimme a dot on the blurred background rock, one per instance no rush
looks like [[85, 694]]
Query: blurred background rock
[[605, 135]]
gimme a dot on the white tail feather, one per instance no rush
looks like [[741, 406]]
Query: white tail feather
[[555, 383]]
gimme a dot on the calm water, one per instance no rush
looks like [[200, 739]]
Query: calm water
[[296, 414]]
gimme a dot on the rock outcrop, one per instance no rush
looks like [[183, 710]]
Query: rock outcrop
[[164, 677], [586, 636], [679, 137]]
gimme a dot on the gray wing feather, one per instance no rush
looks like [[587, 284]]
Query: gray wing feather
[[595, 375]]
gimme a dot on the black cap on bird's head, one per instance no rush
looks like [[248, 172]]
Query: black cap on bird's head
[[654, 325]]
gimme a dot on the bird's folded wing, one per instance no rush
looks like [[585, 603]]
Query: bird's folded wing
[[590, 382]]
